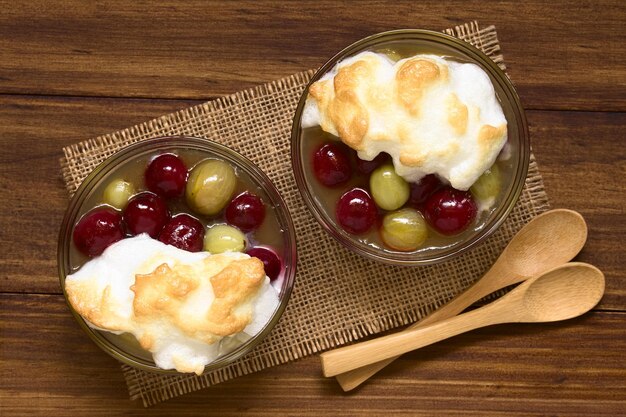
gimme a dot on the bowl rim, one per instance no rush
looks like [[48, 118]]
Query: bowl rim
[[218, 150], [519, 176]]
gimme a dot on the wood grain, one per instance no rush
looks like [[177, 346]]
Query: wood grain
[[574, 368], [560, 55]]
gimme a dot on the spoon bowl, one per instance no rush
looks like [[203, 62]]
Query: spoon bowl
[[562, 293], [549, 240]]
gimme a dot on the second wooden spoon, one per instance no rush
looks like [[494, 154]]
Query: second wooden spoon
[[559, 294]]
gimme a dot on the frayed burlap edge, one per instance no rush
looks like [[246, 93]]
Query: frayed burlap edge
[[80, 158]]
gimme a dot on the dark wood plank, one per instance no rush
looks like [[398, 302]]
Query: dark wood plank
[[577, 152], [574, 368], [560, 55]]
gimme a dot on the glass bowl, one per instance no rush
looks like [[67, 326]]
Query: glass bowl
[[124, 347], [405, 43]]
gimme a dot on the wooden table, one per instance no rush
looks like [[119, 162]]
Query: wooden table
[[71, 70]]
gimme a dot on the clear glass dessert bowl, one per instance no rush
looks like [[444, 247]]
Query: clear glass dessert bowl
[[272, 232], [370, 206]]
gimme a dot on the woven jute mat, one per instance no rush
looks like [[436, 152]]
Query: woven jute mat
[[339, 297]]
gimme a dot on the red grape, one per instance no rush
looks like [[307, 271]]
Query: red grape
[[184, 232], [146, 213], [166, 176], [423, 189], [356, 211], [331, 165], [271, 261], [366, 167], [450, 211], [246, 211], [96, 230]]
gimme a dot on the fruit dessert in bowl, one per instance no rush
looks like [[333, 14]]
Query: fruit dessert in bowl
[[177, 255], [410, 147]]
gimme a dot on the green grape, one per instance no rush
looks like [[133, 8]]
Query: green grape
[[223, 238], [117, 193], [392, 54], [389, 190], [404, 230], [488, 185], [210, 186]]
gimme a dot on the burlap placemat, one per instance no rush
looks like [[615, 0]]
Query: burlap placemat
[[339, 297]]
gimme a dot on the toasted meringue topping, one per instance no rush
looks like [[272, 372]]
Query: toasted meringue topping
[[177, 304], [430, 114]]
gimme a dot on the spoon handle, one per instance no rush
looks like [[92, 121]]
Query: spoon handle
[[490, 282], [361, 354]]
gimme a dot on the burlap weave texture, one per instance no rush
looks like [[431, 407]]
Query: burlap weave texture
[[339, 297]]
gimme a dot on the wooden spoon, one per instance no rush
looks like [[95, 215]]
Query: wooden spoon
[[547, 241], [562, 293]]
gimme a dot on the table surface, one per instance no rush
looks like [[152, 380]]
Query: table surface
[[72, 70]]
